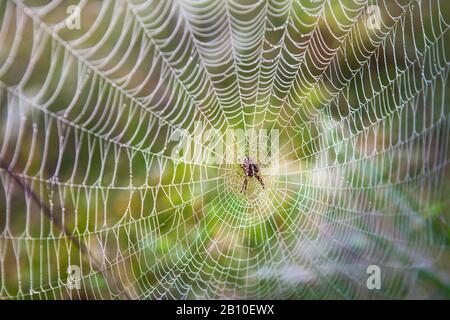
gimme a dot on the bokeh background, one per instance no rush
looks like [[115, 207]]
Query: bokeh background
[[93, 94]]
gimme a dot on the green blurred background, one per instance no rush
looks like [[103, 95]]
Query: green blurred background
[[89, 178]]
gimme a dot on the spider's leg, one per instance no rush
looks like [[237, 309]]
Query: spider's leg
[[257, 176], [244, 185], [264, 165]]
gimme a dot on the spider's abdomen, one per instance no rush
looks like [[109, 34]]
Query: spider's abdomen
[[250, 168]]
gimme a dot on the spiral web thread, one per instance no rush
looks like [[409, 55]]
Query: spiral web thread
[[88, 177]]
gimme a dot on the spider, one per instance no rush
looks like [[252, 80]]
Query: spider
[[251, 169]]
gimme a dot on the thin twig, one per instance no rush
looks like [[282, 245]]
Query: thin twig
[[57, 223]]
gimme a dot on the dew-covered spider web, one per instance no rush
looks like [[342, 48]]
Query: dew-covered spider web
[[95, 97]]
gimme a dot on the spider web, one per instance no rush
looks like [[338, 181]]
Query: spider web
[[89, 178]]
